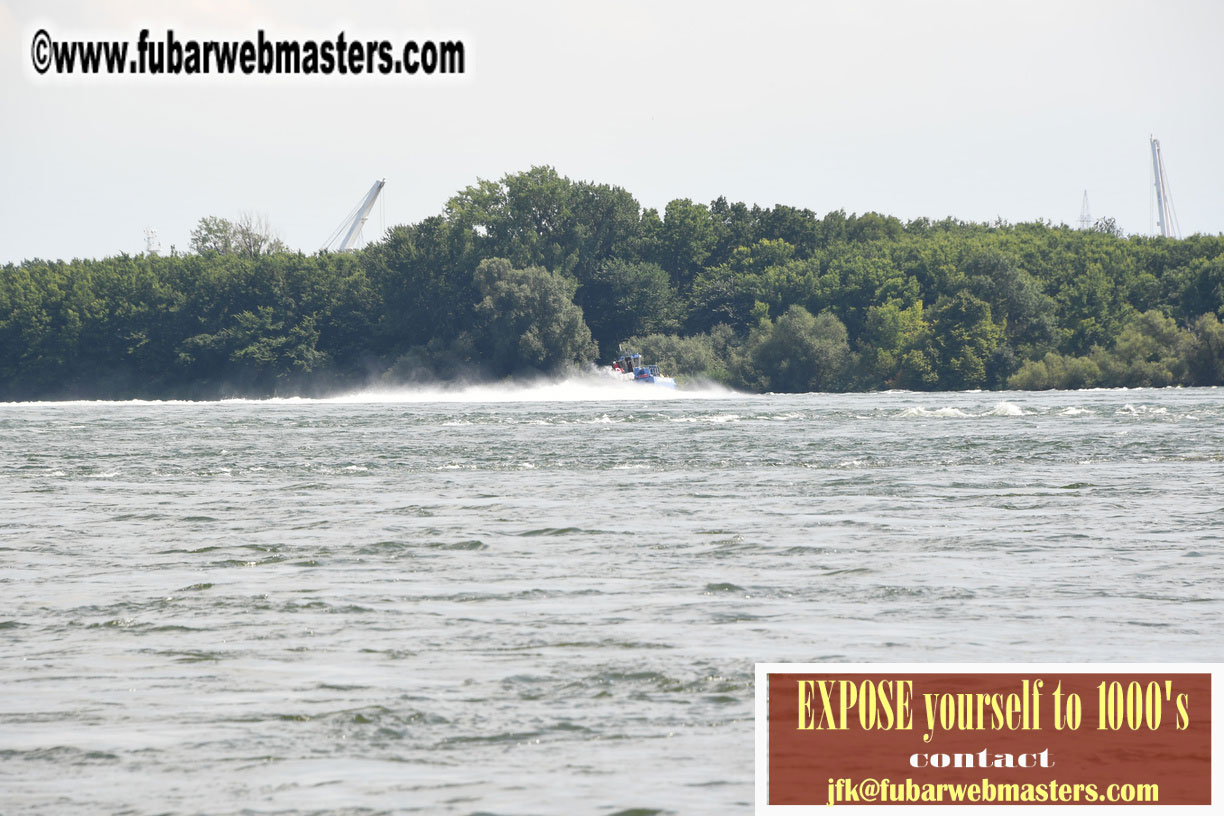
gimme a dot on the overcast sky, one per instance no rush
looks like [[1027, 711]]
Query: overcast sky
[[974, 110]]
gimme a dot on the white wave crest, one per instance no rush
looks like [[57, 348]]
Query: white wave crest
[[1142, 410], [919, 411], [715, 418], [1005, 409]]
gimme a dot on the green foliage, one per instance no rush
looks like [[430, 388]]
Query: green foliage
[[258, 347], [214, 234], [1205, 355], [698, 356], [529, 271], [721, 295], [1150, 351], [623, 298], [965, 341], [540, 218], [897, 349], [796, 353], [1056, 371], [685, 241], [1196, 288], [527, 320], [250, 236], [421, 277], [1014, 297]]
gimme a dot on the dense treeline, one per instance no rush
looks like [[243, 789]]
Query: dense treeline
[[536, 272]]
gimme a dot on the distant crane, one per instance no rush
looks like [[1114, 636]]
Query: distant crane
[[1166, 216], [355, 220], [1085, 221]]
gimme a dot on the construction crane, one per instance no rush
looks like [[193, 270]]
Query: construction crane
[[1166, 216], [355, 220]]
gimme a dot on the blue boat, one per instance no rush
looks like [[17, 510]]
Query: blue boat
[[631, 367]]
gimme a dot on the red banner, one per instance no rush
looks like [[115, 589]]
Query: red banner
[[980, 738]]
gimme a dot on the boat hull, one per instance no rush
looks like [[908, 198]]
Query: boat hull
[[664, 382]]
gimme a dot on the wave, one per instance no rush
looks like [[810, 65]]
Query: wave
[[1006, 409], [1141, 410], [53, 403], [919, 411]]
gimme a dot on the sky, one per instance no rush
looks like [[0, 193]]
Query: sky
[[974, 110]]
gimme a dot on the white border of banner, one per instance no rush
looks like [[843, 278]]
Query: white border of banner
[[762, 732]]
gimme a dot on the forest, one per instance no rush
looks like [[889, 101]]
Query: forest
[[538, 274]]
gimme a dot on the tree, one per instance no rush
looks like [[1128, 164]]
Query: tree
[[896, 347], [214, 234], [527, 319], [797, 227], [1151, 350], [872, 226], [698, 355], [734, 226], [254, 236], [1205, 358], [256, 349], [1056, 371], [1196, 288], [965, 339], [251, 236], [423, 275], [1015, 298], [1108, 226], [761, 294], [1093, 308], [686, 240], [540, 218], [798, 353], [860, 277], [623, 298], [751, 282]]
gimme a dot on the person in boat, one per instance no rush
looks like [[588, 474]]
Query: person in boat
[[616, 369]]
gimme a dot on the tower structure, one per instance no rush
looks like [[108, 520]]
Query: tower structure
[[152, 242], [1166, 216]]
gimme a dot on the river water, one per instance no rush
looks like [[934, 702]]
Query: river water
[[550, 600]]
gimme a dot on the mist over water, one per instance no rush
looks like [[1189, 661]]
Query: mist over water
[[550, 599], [578, 388]]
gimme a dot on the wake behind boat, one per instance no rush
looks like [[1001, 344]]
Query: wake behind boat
[[630, 367]]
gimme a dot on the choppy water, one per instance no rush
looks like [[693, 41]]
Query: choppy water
[[551, 600]]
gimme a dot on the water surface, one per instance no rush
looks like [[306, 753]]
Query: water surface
[[551, 600]]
